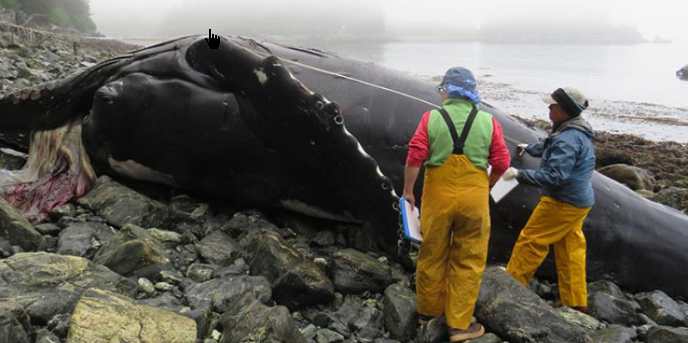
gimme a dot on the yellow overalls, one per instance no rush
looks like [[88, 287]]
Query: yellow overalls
[[561, 224], [455, 225]]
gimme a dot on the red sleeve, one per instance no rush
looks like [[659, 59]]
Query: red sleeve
[[419, 145], [499, 154]]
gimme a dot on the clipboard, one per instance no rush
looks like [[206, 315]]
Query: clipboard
[[502, 188], [410, 221]]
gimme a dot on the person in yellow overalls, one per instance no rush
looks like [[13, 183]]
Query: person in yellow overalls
[[568, 161], [456, 143]]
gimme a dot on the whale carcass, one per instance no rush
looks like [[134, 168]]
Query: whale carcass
[[268, 125]]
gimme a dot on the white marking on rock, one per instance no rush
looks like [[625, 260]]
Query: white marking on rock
[[138, 171]]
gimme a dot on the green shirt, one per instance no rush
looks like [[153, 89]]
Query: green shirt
[[477, 147]]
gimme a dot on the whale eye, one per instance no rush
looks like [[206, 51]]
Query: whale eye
[[338, 119]]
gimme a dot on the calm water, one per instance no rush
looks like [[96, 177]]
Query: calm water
[[633, 88], [639, 73]]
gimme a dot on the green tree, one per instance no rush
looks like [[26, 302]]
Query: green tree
[[67, 13], [11, 4]]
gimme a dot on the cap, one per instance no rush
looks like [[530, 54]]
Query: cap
[[570, 99], [460, 82]]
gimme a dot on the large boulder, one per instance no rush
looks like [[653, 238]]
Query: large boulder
[[218, 248], [614, 334], [296, 281], [633, 177], [607, 302], [517, 314], [131, 250], [400, 312], [665, 334], [356, 272], [82, 239], [103, 317], [15, 324], [50, 284], [253, 321], [223, 294], [17, 230], [120, 205], [661, 308]]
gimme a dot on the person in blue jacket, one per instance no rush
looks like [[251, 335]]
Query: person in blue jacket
[[568, 162]]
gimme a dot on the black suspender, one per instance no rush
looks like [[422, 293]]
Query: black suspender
[[459, 141]]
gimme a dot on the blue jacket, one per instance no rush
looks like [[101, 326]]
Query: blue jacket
[[568, 161]]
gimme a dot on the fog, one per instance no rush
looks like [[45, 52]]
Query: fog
[[605, 21]]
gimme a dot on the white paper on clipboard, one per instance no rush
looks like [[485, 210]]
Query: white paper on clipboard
[[410, 220], [502, 188]]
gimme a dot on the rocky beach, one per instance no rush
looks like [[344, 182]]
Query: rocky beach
[[134, 262]]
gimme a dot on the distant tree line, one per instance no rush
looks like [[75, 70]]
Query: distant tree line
[[65, 13]]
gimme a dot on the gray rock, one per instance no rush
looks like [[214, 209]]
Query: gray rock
[[371, 325], [48, 229], [400, 312], [5, 248], [607, 302], [309, 332], [247, 222], [169, 239], [103, 316], [664, 334], [324, 238], [614, 334], [45, 336], [633, 177], [296, 280], [674, 197], [517, 314], [239, 267], [186, 208], [578, 318], [131, 250], [15, 324], [200, 272], [120, 205], [223, 294], [661, 308], [82, 239], [59, 324], [253, 321], [218, 248], [166, 301], [487, 338], [328, 336], [50, 284], [17, 230], [355, 272], [146, 286], [435, 331], [163, 286]]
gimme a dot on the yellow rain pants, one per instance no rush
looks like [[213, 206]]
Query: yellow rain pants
[[554, 222], [455, 224]]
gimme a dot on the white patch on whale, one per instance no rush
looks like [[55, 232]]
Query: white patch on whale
[[262, 77], [138, 171]]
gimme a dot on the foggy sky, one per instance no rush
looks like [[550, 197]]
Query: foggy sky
[[135, 18]]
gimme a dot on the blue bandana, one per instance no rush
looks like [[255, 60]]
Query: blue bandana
[[459, 82]]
